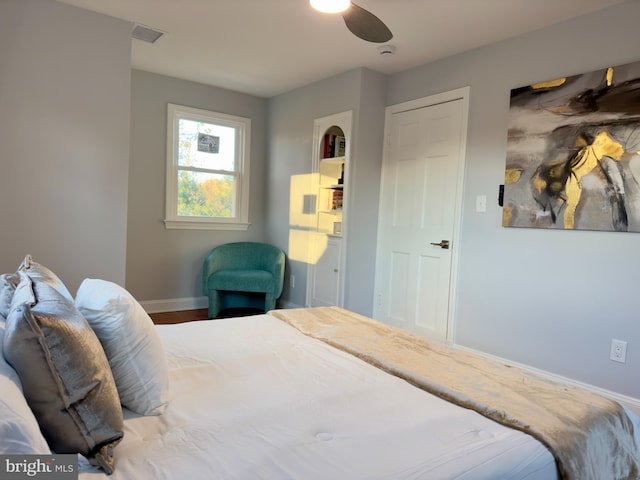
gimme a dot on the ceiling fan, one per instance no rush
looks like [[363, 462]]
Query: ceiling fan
[[362, 23]]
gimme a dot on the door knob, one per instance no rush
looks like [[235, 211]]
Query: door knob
[[443, 244]]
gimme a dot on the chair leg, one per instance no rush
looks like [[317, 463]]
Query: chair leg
[[269, 302], [214, 303]]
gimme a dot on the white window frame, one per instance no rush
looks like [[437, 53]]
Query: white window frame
[[243, 139]]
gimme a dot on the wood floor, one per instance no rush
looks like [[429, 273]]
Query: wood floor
[[200, 314], [179, 317]]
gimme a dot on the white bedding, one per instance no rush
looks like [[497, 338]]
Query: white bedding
[[253, 398]]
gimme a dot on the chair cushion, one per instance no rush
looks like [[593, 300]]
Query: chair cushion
[[242, 280]]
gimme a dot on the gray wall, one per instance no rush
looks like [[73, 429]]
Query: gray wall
[[167, 264], [364, 188], [64, 131], [551, 299], [291, 117]]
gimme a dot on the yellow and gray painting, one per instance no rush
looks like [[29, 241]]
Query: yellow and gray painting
[[573, 153]]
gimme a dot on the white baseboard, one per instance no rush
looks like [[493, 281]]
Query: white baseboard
[[287, 305], [175, 304], [631, 403]]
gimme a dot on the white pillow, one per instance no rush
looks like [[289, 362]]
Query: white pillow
[[19, 430], [132, 345]]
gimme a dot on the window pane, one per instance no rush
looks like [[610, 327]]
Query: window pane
[[206, 145], [208, 159], [206, 195]]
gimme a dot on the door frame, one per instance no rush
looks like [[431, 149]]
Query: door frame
[[463, 94]]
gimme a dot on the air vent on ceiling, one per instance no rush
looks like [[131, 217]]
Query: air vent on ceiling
[[146, 34]]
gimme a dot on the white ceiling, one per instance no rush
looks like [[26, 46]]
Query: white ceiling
[[267, 47]]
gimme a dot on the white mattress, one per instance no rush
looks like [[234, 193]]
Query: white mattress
[[252, 398]]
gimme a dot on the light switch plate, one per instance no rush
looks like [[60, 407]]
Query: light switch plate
[[481, 203]]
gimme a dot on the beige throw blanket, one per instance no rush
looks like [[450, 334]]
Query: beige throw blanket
[[591, 437]]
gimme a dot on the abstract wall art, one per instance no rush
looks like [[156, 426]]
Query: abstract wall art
[[573, 153]]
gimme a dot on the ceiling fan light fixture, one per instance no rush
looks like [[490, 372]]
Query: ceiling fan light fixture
[[330, 6]]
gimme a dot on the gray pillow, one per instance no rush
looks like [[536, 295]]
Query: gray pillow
[[19, 430], [44, 275], [8, 283], [64, 372]]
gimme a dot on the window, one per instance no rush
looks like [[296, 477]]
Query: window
[[207, 170]]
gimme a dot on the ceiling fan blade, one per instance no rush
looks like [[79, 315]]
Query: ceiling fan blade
[[366, 25]]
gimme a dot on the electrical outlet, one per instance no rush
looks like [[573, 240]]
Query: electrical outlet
[[292, 281], [618, 351]]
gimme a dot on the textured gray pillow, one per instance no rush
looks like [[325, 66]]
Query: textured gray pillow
[[19, 430], [64, 372], [44, 275], [8, 283]]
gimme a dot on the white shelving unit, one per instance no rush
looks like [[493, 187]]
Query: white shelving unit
[[330, 164]]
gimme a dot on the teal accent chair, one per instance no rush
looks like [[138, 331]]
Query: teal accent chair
[[243, 274]]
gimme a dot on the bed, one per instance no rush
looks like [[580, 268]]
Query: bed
[[294, 394]]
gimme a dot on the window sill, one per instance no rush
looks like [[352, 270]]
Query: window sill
[[203, 225]]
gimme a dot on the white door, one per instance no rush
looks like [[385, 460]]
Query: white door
[[420, 191]]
